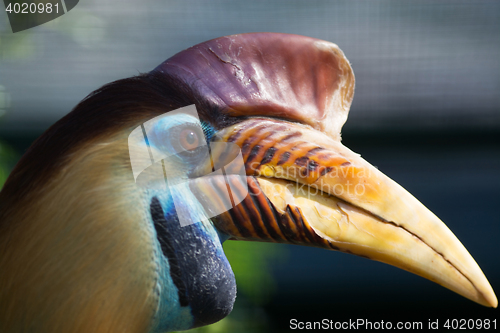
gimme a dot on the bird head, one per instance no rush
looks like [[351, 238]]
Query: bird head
[[114, 219]]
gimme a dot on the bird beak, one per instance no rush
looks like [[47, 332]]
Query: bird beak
[[307, 188], [302, 186]]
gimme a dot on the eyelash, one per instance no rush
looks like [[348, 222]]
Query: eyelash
[[208, 131]]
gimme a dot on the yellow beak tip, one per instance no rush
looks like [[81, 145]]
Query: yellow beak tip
[[492, 301]]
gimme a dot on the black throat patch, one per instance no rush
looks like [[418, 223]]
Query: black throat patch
[[198, 266]]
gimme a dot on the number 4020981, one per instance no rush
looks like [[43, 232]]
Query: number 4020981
[[463, 324], [32, 8]]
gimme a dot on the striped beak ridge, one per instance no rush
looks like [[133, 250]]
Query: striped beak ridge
[[307, 188]]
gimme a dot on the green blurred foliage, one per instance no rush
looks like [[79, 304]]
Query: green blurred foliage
[[7, 159], [7, 155], [15, 46], [251, 263]]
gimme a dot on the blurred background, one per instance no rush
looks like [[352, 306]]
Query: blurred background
[[426, 112]]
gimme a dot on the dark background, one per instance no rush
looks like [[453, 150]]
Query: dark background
[[426, 112]]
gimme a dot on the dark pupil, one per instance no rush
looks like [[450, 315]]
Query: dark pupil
[[191, 138]]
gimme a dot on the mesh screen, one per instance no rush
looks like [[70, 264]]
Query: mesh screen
[[417, 63]]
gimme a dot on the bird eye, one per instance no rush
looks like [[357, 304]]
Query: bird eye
[[186, 139], [189, 139], [178, 135]]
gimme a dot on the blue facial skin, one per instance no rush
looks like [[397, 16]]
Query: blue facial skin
[[196, 285]]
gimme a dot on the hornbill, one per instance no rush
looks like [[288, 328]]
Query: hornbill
[[87, 246]]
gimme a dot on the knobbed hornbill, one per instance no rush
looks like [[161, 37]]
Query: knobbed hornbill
[[85, 248]]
